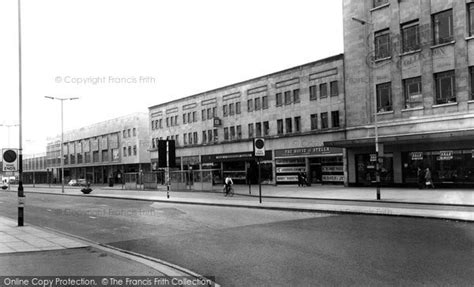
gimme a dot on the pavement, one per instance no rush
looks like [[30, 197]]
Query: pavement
[[34, 251], [452, 204]]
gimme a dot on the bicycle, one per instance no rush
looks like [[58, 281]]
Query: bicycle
[[228, 191]]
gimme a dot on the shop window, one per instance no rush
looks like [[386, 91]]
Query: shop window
[[258, 129], [249, 105], [335, 119], [287, 97], [297, 124], [410, 37], [265, 102], [278, 99], [314, 121], [324, 120], [382, 44], [288, 125], [237, 108], [384, 97], [250, 131], [266, 128], [443, 27], [312, 93], [296, 95], [412, 91], [323, 90], [366, 164], [280, 127], [334, 89], [445, 87]]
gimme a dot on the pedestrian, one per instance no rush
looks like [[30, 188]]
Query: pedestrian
[[428, 179], [300, 179], [421, 178]]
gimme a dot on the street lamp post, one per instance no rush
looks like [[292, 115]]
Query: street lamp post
[[62, 135], [376, 127]]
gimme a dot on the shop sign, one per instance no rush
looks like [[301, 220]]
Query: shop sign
[[307, 151], [287, 178], [373, 157], [418, 155], [445, 155], [190, 160], [338, 178], [335, 168], [290, 169], [246, 156]]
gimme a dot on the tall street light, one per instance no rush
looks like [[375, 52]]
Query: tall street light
[[62, 135], [376, 127], [21, 195]]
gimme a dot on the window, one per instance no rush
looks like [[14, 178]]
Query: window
[[210, 113], [226, 134], [176, 138], [443, 27], [232, 133], [134, 150], [195, 117], [195, 136], [265, 102], [258, 129], [237, 108], [184, 118], [335, 119], [189, 118], [249, 105], [225, 110], [266, 128], [239, 132], [312, 93], [289, 128], [384, 97], [161, 123], [296, 95], [134, 131], [382, 44], [378, 3], [334, 89], [209, 135], [204, 136], [280, 127], [105, 156], [203, 115], [167, 122], [172, 121], [323, 90], [129, 152], [412, 92], [314, 122], [176, 120], [125, 149], [287, 97], [445, 91], [128, 133], [250, 131], [124, 134], [471, 74], [297, 124], [216, 135], [257, 104], [278, 99], [185, 139], [324, 120], [410, 37], [231, 109], [471, 19]]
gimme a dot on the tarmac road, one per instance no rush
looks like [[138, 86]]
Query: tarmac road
[[248, 247]]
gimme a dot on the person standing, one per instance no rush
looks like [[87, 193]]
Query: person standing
[[428, 178], [421, 178]]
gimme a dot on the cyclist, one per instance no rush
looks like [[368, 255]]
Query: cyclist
[[228, 184]]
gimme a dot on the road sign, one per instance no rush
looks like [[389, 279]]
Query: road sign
[[259, 147], [10, 159]]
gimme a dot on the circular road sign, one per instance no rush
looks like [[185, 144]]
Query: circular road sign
[[9, 156], [259, 143]]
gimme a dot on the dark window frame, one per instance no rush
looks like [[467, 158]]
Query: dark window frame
[[382, 44], [410, 42], [439, 79], [436, 20], [380, 88], [408, 95]]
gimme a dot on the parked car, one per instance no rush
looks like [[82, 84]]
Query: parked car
[[82, 182], [73, 182]]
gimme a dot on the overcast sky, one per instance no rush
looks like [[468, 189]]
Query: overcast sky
[[122, 56]]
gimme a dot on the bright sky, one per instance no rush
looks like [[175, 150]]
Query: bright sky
[[122, 56]]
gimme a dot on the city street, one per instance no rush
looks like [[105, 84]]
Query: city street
[[251, 247]]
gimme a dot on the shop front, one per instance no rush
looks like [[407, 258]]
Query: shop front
[[319, 164]]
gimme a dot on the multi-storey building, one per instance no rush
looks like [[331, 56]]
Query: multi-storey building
[[35, 169], [295, 110], [102, 151], [409, 63]]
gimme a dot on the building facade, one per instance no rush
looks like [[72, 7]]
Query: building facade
[[295, 110], [102, 151], [35, 169], [409, 84]]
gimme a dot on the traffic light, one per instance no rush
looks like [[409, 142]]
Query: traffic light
[[161, 153], [259, 147]]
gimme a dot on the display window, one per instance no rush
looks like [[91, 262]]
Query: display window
[[366, 167]]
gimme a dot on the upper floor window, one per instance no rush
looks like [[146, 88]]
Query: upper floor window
[[335, 119], [251, 130], [297, 124], [225, 110], [324, 120], [287, 97], [266, 128], [184, 118], [237, 108], [412, 92], [204, 136], [471, 19], [471, 74], [312, 93], [249, 105], [195, 117], [443, 27], [232, 133], [214, 111], [289, 127], [203, 115], [384, 97], [382, 44], [239, 132], [378, 3], [226, 134], [296, 95], [134, 131], [323, 90], [231, 109], [445, 87], [209, 135], [314, 121], [280, 127], [265, 102], [278, 99], [410, 37], [258, 129], [257, 104], [334, 89]]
